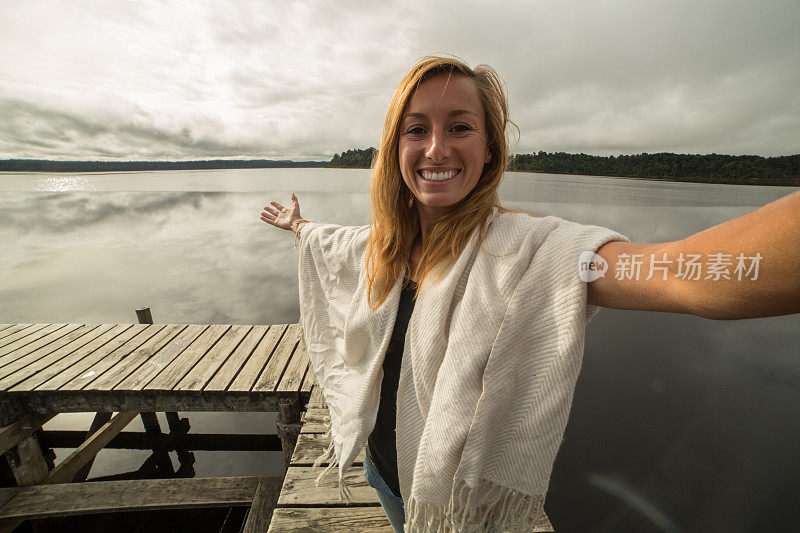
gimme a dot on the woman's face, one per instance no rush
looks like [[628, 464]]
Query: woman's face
[[443, 145]]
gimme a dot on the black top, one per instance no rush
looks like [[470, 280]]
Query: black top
[[382, 446]]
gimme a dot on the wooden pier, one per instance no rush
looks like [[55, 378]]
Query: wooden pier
[[138, 370]]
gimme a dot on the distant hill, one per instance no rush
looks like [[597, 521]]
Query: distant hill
[[44, 165]]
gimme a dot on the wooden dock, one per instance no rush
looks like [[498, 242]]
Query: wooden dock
[[141, 369], [138, 370], [61, 368]]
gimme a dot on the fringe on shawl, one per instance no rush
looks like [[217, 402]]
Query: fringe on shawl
[[329, 455], [503, 508]]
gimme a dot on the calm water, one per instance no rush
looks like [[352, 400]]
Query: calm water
[[679, 423]]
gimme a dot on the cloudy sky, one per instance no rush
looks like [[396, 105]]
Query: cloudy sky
[[105, 79]]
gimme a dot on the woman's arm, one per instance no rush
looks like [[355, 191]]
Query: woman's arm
[[747, 267], [287, 218]]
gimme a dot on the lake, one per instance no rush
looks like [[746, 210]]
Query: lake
[[679, 423]]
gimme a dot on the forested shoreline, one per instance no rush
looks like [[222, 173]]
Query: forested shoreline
[[710, 168]]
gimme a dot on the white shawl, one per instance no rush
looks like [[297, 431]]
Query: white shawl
[[491, 356]]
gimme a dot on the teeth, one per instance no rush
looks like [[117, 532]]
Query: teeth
[[438, 176]]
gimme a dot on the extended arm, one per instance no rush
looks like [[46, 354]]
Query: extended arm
[[748, 267]]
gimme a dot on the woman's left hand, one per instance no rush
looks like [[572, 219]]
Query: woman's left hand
[[282, 217]]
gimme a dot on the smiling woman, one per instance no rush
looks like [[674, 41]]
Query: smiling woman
[[447, 334]]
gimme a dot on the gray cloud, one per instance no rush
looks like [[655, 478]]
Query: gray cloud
[[308, 79]]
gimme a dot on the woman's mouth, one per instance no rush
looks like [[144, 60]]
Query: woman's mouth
[[438, 177]]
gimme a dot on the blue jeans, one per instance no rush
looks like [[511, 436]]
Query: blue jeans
[[392, 505]]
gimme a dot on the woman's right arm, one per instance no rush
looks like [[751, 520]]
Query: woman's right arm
[[287, 218]]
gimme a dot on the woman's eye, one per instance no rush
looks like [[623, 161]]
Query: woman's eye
[[461, 128], [416, 130]]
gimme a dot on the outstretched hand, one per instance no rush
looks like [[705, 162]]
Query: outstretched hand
[[282, 217]]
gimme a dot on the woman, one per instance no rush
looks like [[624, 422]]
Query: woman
[[447, 335]]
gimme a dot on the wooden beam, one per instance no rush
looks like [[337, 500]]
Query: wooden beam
[[69, 499], [138, 440], [264, 502], [288, 426], [69, 467], [91, 401], [13, 433], [99, 420]]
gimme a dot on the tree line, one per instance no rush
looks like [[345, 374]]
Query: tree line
[[355, 158], [712, 168]]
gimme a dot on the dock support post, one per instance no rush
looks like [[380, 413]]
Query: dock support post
[[178, 427], [161, 455], [144, 316], [288, 425], [27, 462]]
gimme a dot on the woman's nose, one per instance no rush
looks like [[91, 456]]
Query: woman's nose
[[438, 146]]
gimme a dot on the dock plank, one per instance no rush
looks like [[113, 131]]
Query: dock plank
[[312, 445], [14, 329], [345, 519], [316, 421], [132, 367], [77, 364], [232, 366], [308, 380], [185, 359], [299, 488], [281, 357], [77, 378], [69, 499], [260, 357], [317, 399], [47, 367], [61, 346], [292, 379], [28, 343], [206, 367]]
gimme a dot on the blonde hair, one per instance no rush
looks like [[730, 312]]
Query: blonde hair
[[393, 219]]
